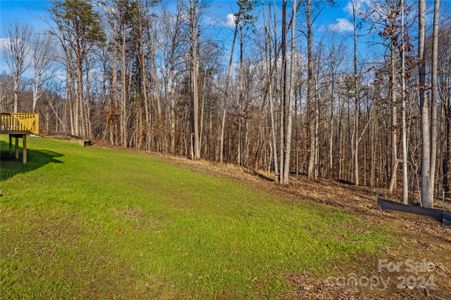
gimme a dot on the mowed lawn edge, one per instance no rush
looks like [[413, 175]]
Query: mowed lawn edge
[[106, 223]]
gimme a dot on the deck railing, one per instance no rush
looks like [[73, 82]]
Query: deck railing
[[19, 122]]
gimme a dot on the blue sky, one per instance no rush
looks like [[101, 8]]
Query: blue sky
[[217, 16], [333, 21], [34, 12]]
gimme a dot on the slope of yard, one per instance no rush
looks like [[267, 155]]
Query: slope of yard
[[100, 223]]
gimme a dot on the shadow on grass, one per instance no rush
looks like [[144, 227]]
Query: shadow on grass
[[9, 166]]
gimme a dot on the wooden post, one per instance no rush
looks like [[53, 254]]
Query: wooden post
[[24, 149], [17, 146], [10, 144]]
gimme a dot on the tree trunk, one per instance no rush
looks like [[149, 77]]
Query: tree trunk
[[290, 95], [357, 101], [194, 83], [273, 143], [123, 121], [80, 118], [226, 92], [113, 98], [434, 101], [332, 128], [311, 108], [16, 92], [424, 107], [405, 179], [394, 120], [285, 102], [240, 100]]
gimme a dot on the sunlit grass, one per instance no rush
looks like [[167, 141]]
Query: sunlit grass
[[89, 222]]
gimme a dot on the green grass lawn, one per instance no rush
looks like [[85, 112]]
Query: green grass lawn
[[88, 222]]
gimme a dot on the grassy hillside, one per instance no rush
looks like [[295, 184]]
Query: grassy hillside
[[91, 222]]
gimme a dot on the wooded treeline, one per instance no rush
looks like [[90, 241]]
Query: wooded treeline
[[132, 74]]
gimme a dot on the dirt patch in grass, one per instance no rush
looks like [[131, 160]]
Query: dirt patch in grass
[[139, 220], [368, 277], [133, 213]]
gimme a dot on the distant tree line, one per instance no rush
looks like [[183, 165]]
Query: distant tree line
[[132, 74]]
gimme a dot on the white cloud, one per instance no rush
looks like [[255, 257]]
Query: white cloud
[[4, 43], [359, 5], [341, 25], [230, 20]]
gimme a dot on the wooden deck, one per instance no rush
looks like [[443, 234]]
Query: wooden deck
[[19, 125]]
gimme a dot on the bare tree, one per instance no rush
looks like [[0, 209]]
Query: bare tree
[[16, 54], [78, 28], [226, 93], [157, 87], [5, 91], [172, 30], [42, 56], [269, 84]]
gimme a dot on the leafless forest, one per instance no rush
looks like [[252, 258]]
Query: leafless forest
[[276, 97]]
